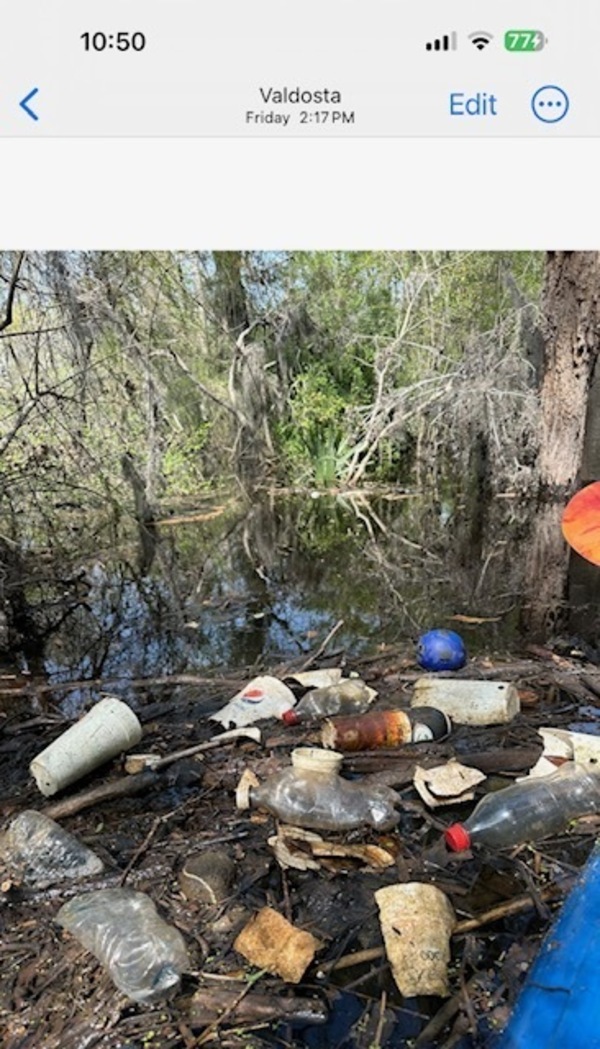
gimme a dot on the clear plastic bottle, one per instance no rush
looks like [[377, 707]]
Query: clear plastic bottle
[[350, 696], [311, 794], [528, 811], [144, 955], [41, 852]]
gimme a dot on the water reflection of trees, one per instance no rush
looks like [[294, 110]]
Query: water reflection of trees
[[134, 381], [267, 580]]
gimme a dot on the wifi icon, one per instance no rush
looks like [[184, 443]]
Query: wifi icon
[[480, 39]]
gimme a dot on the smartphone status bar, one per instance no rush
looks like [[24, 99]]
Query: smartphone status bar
[[344, 69]]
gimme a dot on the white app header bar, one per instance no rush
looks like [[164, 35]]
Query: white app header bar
[[342, 68]]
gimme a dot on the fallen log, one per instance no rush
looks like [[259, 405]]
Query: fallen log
[[119, 788], [402, 762]]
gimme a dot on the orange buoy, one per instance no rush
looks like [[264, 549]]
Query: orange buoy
[[581, 522]]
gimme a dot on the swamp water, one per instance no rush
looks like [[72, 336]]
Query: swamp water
[[247, 585], [250, 585]]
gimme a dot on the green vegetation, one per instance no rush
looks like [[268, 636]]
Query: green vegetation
[[326, 369]]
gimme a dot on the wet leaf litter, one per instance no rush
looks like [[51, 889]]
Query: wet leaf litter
[[211, 868]]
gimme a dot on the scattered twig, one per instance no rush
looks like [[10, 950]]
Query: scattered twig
[[442, 1018], [193, 518], [106, 683], [376, 1043], [320, 650], [507, 909], [467, 1004], [593, 686], [287, 905], [348, 961], [209, 1004], [142, 848], [210, 1031], [365, 976], [12, 290]]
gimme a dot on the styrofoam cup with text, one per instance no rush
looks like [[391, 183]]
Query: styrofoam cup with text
[[108, 729]]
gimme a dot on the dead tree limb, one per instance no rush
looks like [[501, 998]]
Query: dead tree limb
[[12, 290], [119, 788]]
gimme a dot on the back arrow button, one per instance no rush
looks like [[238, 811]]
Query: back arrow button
[[24, 104]]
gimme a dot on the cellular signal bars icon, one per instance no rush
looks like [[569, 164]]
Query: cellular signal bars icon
[[447, 42]]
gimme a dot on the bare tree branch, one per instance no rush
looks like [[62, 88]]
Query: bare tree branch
[[12, 289], [200, 385]]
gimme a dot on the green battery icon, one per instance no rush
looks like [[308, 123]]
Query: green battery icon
[[524, 40]]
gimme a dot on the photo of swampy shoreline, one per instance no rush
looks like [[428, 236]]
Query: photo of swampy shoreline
[[224, 466]]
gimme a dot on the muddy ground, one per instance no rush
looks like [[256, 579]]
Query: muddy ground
[[55, 995]]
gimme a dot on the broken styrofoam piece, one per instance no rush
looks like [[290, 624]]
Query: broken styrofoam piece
[[271, 942], [417, 921], [263, 697], [468, 702], [564, 747], [305, 850], [317, 678], [447, 784], [108, 729]]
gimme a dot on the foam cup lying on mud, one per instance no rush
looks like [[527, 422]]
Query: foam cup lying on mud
[[109, 728]]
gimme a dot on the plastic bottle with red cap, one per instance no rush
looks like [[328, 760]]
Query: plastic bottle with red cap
[[528, 811], [350, 696]]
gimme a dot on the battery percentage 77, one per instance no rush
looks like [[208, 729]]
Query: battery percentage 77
[[524, 40]]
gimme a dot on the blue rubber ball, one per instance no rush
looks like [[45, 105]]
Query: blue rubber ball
[[441, 650]]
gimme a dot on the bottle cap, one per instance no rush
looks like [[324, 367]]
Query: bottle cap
[[429, 723], [457, 837], [290, 717]]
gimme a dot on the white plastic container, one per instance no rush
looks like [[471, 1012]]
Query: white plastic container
[[108, 729], [468, 702]]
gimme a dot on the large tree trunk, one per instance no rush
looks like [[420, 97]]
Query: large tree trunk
[[572, 321], [572, 339], [230, 292]]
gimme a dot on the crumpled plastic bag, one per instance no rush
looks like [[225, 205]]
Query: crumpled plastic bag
[[263, 697], [317, 678]]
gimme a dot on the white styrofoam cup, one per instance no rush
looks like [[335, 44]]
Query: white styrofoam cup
[[108, 729]]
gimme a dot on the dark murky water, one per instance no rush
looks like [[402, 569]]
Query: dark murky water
[[247, 585]]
